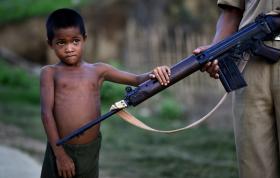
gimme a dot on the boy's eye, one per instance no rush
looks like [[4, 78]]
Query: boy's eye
[[76, 41], [60, 43]]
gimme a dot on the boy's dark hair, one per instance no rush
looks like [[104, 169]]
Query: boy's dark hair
[[63, 18]]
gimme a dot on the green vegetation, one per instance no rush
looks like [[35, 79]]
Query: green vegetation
[[170, 109], [198, 153], [16, 85], [128, 152], [19, 100], [14, 10]]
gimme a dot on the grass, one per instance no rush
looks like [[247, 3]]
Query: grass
[[22, 9], [200, 152], [127, 152]]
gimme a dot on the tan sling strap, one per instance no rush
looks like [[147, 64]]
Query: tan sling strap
[[125, 115], [274, 12]]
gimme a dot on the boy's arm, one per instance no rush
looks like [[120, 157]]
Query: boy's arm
[[65, 164], [112, 74]]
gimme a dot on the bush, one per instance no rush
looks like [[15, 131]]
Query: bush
[[17, 85], [13, 77], [169, 108], [111, 92]]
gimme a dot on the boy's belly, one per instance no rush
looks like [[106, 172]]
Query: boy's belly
[[87, 137], [74, 115]]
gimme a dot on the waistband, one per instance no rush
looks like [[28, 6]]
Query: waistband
[[91, 144]]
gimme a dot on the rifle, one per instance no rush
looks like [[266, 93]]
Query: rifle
[[248, 39]]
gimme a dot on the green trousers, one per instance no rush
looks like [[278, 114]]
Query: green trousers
[[85, 157]]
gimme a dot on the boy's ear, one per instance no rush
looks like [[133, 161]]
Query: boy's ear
[[49, 43], [85, 37]]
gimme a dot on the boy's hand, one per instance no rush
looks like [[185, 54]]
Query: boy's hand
[[162, 74], [211, 67], [65, 166]]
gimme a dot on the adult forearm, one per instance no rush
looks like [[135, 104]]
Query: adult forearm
[[228, 23]]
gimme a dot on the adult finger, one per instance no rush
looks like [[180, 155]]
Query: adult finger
[[214, 75], [206, 67], [200, 49], [214, 68]]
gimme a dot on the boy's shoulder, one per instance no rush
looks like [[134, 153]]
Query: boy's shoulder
[[48, 68], [100, 66]]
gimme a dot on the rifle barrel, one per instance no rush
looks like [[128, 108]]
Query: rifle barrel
[[82, 129]]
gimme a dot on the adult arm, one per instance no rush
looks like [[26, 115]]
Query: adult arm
[[227, 24]]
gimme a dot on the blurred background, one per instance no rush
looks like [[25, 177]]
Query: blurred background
[[134, 36]]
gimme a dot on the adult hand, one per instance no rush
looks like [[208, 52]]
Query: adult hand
[[211, 67]]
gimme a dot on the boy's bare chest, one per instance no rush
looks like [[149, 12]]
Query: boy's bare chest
[[76, 81]]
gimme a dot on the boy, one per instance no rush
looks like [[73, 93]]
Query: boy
[[70, 97]]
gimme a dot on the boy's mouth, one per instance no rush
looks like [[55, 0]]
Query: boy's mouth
[[70, 56]]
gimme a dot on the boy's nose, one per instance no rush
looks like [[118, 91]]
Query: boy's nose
[[69, 48]]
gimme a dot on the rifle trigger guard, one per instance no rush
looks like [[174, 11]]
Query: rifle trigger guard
[[119, 105]]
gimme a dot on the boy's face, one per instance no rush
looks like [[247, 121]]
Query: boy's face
[[68, 45]]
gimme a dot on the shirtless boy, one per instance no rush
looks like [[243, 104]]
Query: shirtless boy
[[70, 97]]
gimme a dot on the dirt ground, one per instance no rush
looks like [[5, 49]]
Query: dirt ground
[[13, 136]]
